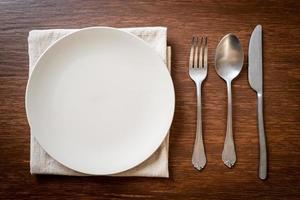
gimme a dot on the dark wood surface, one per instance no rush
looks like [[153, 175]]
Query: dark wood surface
[[281, 25]]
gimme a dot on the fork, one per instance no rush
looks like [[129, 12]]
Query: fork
[[198, 72]]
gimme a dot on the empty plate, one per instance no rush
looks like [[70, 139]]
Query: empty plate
[[100, 101]]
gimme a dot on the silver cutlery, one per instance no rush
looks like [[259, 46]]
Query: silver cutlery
[[198, 72], [228, 64], [255, 76]]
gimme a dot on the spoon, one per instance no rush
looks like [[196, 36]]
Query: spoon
[[228, 64]]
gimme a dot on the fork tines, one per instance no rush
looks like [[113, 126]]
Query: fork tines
[[198, 58]]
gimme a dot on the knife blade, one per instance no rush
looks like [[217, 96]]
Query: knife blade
[[255, 77], [255, 59]]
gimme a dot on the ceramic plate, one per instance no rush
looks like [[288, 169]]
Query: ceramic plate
[[100, 101]]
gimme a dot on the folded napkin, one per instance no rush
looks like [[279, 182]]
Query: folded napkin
[[42, 163]]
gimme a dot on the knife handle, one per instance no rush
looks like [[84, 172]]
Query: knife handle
[[262, 139]]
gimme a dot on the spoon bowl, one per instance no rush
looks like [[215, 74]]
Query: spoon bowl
[[229, 57]]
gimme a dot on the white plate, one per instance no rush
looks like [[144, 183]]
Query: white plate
[[100, 101]]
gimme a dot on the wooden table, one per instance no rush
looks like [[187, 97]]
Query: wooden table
[[281, 25]]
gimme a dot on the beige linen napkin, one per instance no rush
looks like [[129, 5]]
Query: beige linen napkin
[[41, 163]]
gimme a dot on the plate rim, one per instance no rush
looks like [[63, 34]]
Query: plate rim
[[164, 135]]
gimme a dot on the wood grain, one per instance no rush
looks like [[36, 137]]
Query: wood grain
[[281, 25]]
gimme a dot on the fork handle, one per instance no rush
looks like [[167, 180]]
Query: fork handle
[[199, 158], [262, 139], [228, 154]]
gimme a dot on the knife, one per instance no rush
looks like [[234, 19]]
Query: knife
[[255, 76]]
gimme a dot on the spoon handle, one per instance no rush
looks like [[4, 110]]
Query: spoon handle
[[262, 139], [199, 158], [228, 155]]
